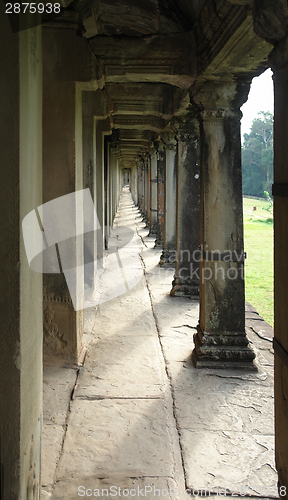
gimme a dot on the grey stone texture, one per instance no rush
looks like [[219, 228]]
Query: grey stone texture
[[139, 414]]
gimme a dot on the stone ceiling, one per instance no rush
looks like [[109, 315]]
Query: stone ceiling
[[148, 54]]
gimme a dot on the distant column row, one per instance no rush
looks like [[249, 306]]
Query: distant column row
[[190, 196]]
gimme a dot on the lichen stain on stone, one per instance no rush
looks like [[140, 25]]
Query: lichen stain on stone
[[53, 339]]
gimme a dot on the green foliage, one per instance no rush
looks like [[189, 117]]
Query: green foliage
[[269, 208], [257, 156], [258, 243]]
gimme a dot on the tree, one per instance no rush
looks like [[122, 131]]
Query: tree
[[257, 156]]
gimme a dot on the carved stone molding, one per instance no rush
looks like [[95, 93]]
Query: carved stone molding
[[217, 115], [278, 58], [167, 259], [220, 96], [270, 20], [171, 146]]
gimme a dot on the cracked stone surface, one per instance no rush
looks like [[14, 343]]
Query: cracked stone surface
[[117, 436], [141, 414], [58, 383], [114, 487], [110, 362]]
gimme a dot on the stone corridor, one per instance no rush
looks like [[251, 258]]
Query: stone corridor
[[136, 414]]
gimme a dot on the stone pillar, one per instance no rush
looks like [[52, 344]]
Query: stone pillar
[[143, 180], [62, 175], [278, 60], [147, 189], [140, 186], [167, 258], [186, 279], [21, 314], [160, 194], [89, 99], [113, 181], [133, 184], [102, 128], [221, 339], [106, 168], [153, 193]]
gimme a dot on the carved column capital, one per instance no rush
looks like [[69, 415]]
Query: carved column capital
[[169, 139], [187, 130], [219, 100], [270, 23], [159, 146], [152, 152], [217, 115], [278, 58], [270, 20]]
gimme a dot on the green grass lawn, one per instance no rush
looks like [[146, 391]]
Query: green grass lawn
[[258, 243]]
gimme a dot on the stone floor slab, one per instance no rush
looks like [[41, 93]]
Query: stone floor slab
[[130, 437], [235, 461], [117, 487], [226, 405], [125, 428], [110, 363], [58, 384]]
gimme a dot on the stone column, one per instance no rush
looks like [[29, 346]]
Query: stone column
[[62, 175], [140, 186], [21, 339], [102, 128], [153, 193], [89, 100], [221, 339], [186, 279], [147, 189], [134, 184], [113, 183], [143, 182], [167, 258], [160, 194], [106, 165], [278, 60]]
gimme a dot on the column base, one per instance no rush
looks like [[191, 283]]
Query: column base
[[167, 259], [158, 243], [222, 350], [184, 288], [153, 230]]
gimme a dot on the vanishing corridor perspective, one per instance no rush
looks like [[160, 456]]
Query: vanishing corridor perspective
[[138, 416], [122, 255]]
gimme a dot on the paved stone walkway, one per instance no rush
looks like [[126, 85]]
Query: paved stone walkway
[[137, 419]]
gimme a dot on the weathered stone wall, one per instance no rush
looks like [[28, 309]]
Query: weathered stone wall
[[20, 287]]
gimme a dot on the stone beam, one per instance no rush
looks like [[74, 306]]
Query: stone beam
[[138, 122], [155, 59], [226, 43]]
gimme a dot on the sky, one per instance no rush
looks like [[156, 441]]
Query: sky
[[260, 99]]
